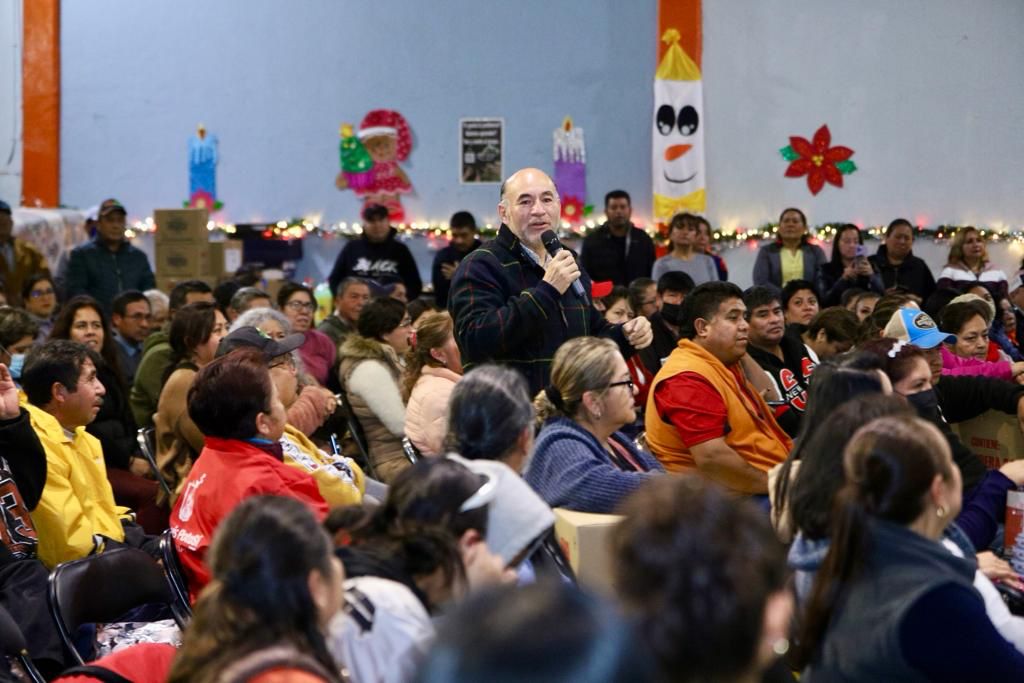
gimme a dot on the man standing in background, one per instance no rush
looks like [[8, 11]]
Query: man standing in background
[[618, 250], [108, 265], [18, 259], [464, 240]]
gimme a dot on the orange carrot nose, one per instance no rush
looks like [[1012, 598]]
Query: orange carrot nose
[[676, 151]]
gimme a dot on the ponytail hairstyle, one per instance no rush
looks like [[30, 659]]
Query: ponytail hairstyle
[[261, 558], [420, 523], [889, 466], [488, 410], [432, 331], [831, 386], [580, 365]]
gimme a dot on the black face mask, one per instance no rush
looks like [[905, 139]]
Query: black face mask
[[672, 314], [926, 403]]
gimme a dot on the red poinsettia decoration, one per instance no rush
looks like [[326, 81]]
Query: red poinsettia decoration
[[818, 160], [572, 209]]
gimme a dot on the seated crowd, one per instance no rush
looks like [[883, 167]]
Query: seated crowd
[[357, 495]]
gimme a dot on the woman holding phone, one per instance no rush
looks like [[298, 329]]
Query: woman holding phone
[[848, 268]]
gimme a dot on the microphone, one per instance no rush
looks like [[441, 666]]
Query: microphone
[[551, 244]]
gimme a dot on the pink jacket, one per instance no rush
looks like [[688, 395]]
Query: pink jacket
[[426, 414], [953, 364]]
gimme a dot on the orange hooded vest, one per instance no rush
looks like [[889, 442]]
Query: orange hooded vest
[[751, 429]]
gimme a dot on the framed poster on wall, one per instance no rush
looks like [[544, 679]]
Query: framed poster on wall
[[481, 149]]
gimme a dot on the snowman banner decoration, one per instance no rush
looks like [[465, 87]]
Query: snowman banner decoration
[[678, 138]]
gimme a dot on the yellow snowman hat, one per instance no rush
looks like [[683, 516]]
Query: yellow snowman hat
[[676, 65]]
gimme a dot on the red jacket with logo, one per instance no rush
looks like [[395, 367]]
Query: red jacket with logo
[[226, 473]]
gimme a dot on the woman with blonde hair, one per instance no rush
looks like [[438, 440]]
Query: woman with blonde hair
[[581, 461], [968, 265], [432, 367]]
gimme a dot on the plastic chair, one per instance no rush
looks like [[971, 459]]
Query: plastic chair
[[146, 437], [181, 607], [412, 453], [12, 645], [103, 588]]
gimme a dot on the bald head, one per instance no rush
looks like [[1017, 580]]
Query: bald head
[[529, 205]]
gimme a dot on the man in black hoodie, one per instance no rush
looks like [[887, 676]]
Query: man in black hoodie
[[377, 256], [897, 264]]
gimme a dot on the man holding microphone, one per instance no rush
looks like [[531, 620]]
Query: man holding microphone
[[515, 303]]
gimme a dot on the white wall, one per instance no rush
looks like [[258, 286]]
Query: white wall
[[927, 92], [10, 101]]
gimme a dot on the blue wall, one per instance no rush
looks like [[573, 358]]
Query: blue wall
[[927, 92], [275, 79]]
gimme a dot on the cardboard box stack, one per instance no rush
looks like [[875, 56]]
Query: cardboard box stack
[[184, 250]]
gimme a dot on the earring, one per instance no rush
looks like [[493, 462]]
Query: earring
[[780, 646], [940, 512]]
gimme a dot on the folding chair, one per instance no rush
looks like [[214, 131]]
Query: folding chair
[[358, 435], [412, 453], [181, 607], [548, 558], [145, 437], [12, 645], [103, 588]]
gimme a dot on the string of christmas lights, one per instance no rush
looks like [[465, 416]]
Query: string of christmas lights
[[299, 228]]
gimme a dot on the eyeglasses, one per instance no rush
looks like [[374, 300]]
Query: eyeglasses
[[623, 383], [37, 293], [139, 317], [300, 305]]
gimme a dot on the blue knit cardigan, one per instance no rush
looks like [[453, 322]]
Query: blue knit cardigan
[[571, 469]]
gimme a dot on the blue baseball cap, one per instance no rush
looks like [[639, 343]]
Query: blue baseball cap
[[5, 207], [916, 327]]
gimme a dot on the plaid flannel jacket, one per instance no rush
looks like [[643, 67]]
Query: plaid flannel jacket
[[505, 313]]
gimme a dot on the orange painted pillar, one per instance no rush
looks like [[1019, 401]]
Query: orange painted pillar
[[685, 17], [40, 93]]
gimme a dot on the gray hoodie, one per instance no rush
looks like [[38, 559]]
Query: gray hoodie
[[517, 516]]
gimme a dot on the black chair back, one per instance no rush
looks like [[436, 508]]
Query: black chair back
[[147, 444], [548, 558], [13, 646], [358, 435], [102, 588], [181, 607]]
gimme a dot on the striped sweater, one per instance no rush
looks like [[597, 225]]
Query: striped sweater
[[570, 469]]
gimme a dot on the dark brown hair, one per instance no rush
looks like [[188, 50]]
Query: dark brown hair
[[261, 558], [695, 568], [108, 349], [889, 467], [228, 394]]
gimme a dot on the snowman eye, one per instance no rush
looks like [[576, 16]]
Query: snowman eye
[[688, 120], [666, 119]]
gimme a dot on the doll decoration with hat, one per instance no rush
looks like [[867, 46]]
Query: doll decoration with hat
[[370, 158]]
